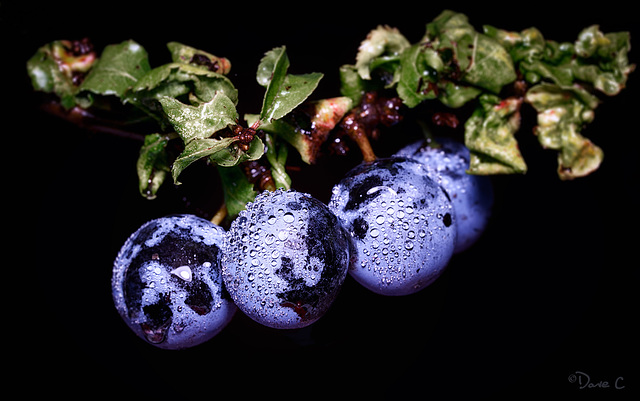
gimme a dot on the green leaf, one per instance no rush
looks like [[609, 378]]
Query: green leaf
[[595, 58], [202, 121], [177, 80], [292, 92], [153, 164], [489, 135], [423, 76], [535, 57], [181, 53], [238, 191], [197, 149], [602, 59], [382, 41], [119, 67], [351, 84], [420, 67], [284, 91], [273, 67], [480, 59], [561, 114], [454, 95]]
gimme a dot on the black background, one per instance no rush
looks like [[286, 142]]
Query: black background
[[550, 289]]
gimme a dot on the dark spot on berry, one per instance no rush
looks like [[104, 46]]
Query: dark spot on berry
[[158, 320], [359, 227], [446, 219], [199, 298]]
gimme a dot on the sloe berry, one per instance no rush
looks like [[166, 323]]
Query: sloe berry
[[167, 284], [284, 259], [401, 221]]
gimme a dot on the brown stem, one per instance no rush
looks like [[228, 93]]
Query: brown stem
[[361, 139], [220, 215], [88, 121]]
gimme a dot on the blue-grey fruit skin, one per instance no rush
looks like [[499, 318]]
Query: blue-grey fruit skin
[[167, 284], [284, 259], [472, 195], [402, 225]]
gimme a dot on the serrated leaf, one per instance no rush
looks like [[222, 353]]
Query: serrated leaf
[[119, 67], [284, 91], [197, 149], [481, 60], [202, 121], [152, 165], [489, 136], [603, 59], [292, 92], [561, 114]]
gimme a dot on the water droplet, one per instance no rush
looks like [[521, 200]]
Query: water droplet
[[374, 232], [380, 219], [282, 235], [269, 239], [271, 220], [251, 277], [288, 218], [390, 211], [157, 270], [408, 245]]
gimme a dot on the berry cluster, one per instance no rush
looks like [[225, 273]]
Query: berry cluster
[[392, 223]]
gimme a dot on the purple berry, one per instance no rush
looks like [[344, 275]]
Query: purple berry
[[402, 224], [285, 258], [167, 284]]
